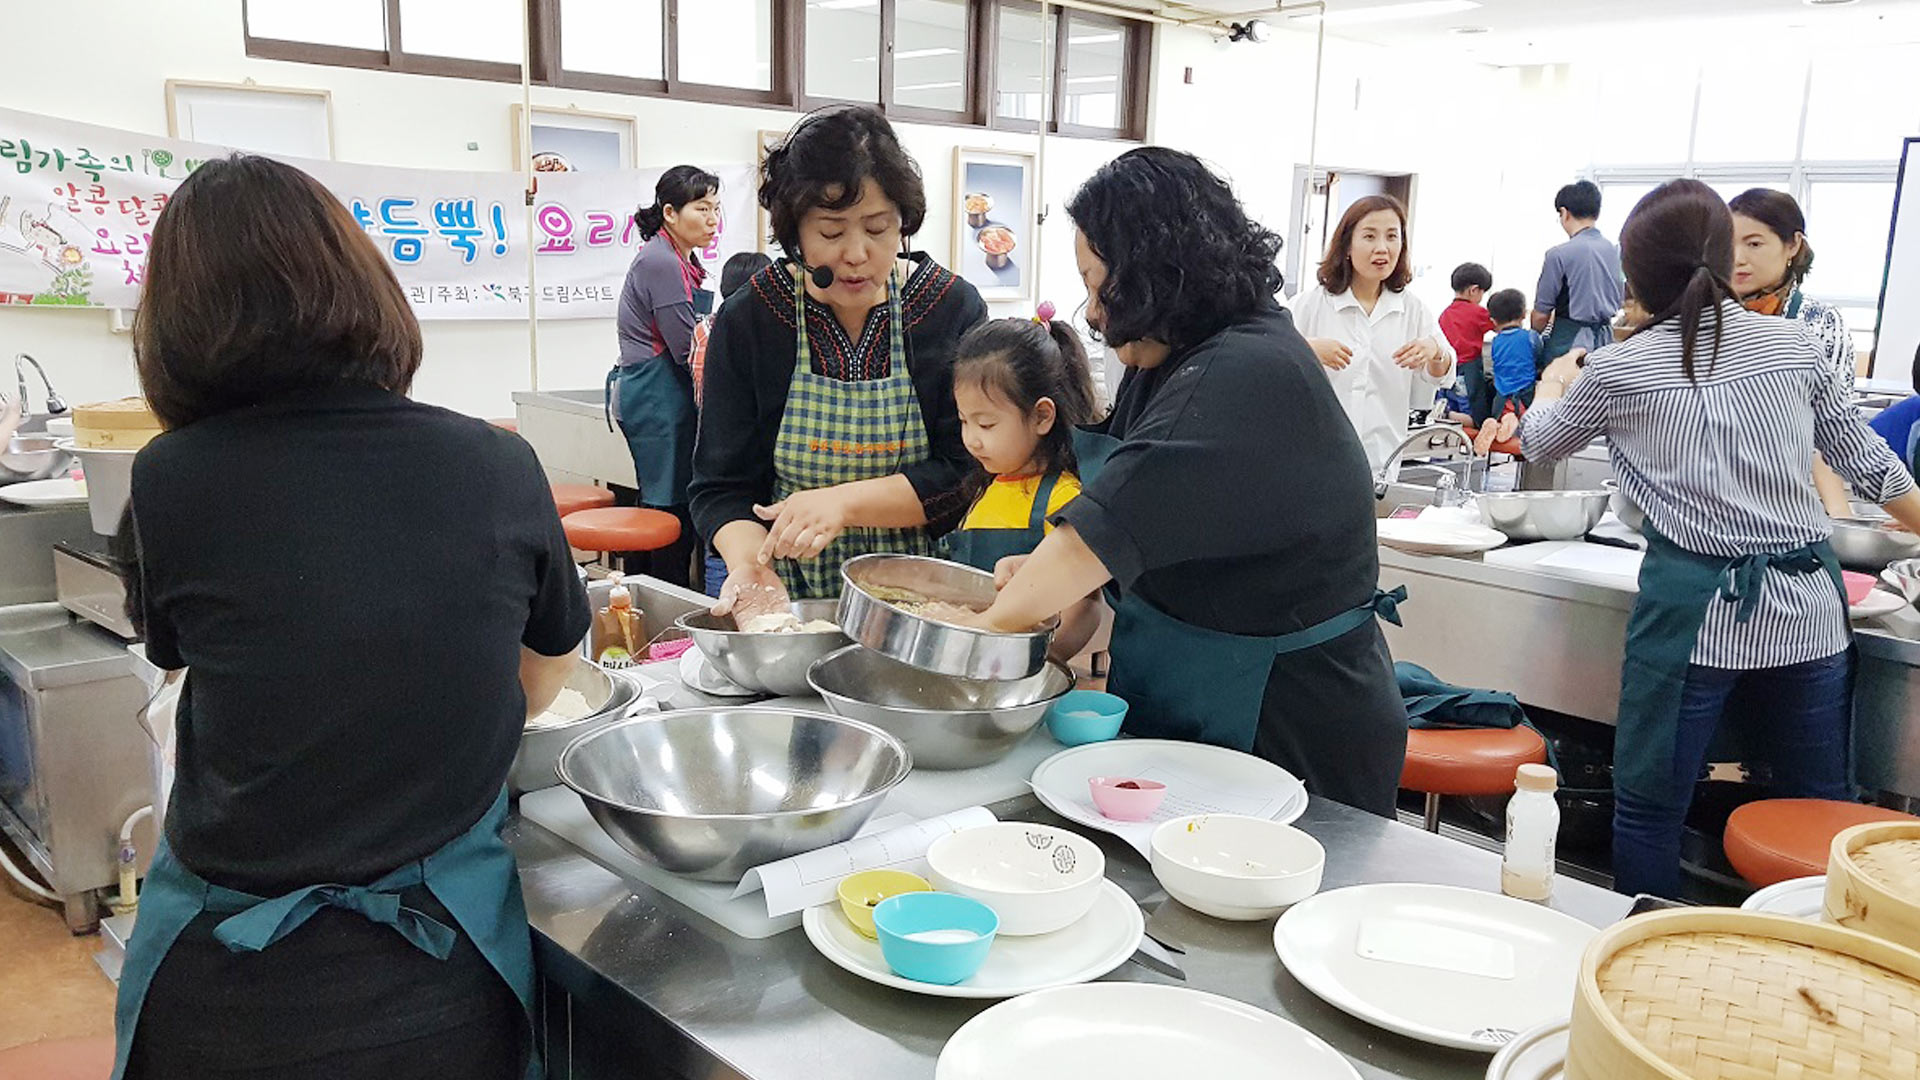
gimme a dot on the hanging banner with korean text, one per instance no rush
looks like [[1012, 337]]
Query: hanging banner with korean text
[[78, 202]]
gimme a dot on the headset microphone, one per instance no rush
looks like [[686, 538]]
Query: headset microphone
[[822, 277]]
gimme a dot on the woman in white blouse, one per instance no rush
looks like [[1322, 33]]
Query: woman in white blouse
[[1378, 342]]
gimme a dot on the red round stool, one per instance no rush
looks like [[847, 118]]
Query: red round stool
[[60, 1059], [1775, 840], [1467, 761], [621, 528], [573, 498]]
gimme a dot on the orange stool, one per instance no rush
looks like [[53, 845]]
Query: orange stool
[[60, 1059], [1774, 840], [573, 498], [621, 528], [508, 422], [1467, 761]]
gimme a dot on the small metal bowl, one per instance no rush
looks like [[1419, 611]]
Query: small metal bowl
[[945, 722], [1543, 515], [713, 793], [1869, 547], [770, 663], [938, 647], [610, 695], [32, 457]]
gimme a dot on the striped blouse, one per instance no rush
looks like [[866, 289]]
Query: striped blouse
[[1723, 466]]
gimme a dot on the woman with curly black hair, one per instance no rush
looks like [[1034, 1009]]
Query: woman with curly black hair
[[827, 422], [1227, 506]]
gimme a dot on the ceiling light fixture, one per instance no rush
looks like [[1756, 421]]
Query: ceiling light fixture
[[1828, 3], [1419, 9], [1254, 30]]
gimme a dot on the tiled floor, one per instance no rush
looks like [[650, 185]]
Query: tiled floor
[[50, 987]]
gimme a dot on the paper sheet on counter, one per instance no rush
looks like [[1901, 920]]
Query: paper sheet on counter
[[813, 877]]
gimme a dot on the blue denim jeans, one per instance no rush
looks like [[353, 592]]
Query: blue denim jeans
[[716, 575], [1799, 721]]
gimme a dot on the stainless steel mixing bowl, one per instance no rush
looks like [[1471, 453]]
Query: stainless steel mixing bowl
[[1868, 547], [32, 457], [772, 663], [608, 694], [712, 793], [1543, 515], [949, 650], [945, 722]]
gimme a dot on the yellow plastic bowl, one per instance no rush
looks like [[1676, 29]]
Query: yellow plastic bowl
[[860, 892]]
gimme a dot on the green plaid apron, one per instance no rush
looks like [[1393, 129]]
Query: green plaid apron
[[837, 432]]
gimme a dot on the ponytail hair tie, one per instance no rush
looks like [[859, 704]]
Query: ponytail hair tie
[[1044, 313]]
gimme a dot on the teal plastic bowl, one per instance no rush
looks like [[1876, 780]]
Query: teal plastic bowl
[[934, 937], [1086, 716]]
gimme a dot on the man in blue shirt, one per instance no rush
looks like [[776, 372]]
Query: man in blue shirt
[[1897, 424], [1581, 288]]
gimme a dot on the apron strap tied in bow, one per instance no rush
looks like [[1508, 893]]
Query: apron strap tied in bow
[[1743, 578], [1387, 604], [265, 923]]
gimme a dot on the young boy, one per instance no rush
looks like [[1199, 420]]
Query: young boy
[[1514, 352], [1466, 325]]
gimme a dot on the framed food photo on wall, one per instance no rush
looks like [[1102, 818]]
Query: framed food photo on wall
[[574, 140], [993, 222]]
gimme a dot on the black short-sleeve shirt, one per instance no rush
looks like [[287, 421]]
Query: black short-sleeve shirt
[[1239, 499], [349, 577]]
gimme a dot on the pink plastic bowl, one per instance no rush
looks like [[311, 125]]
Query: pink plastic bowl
[[1126, 804], [1858, 585]]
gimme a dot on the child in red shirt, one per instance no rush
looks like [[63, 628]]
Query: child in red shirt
[[1467, 324]]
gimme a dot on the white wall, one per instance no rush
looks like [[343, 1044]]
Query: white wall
[[1246, 110]]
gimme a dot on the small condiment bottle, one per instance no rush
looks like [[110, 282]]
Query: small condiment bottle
[[618, 630], [1533, 823]]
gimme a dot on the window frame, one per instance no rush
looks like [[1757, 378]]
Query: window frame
[[787, 53]]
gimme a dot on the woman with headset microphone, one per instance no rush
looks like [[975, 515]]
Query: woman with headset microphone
[[827, 423]]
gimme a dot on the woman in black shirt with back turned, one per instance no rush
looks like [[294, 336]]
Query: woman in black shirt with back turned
[[1226, 503], [370, 597]]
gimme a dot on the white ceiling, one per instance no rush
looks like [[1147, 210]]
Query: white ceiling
[[1553, 31]]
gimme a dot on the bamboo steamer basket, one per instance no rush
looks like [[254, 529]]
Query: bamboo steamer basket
[[1873, 880], [126, 424], [1718, 994]]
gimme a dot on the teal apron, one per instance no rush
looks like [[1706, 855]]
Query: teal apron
[[473, 875], [984, 548], [835, 432], [1187, 682], [1676, 586], [653, 400]]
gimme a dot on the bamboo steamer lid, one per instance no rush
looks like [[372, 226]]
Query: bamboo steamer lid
[[126, 424], [1873, 880], [1718, 994]]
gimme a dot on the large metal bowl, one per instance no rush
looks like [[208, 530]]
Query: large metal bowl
[[945, 722], [610, 696], [1543, 515], [32, 457], [938, 647], [771, 663], [1623, 508], [712, 793], [1869, 547]]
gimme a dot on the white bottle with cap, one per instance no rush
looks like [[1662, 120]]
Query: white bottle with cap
[[1533, 822]]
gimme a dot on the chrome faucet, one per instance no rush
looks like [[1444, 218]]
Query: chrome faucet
[[1429, 440], [55, 404]]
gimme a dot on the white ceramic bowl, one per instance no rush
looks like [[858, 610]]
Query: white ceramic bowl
[[1037, 878], [1233, 867]]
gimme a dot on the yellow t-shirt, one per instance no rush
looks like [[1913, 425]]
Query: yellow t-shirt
[[1008, 502]]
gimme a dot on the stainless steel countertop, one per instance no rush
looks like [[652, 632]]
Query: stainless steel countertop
[[588, 402], [717, 1005], [42, 646]]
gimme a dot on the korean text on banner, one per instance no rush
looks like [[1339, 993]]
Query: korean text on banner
[[78, 202]]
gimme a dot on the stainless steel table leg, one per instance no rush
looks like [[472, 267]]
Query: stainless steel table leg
[[1433, 812]]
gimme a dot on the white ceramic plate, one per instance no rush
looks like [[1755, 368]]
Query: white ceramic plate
[[1200, 779], [1540, 1054], [1133, 1030], [1801, 898], [1099, 942], [58, 491], [1449, 966], [1421, 536], [1877, 603]]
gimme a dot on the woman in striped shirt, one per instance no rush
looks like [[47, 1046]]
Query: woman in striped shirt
[[1740, 588]]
